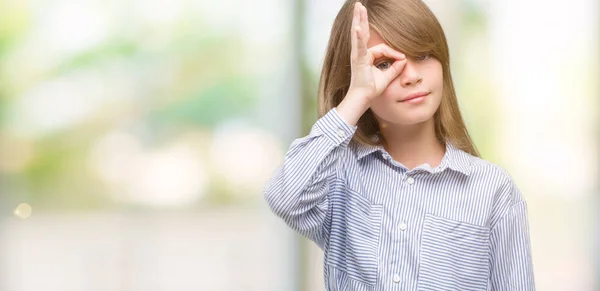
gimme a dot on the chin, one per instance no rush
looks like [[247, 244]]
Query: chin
[[414, 121], [405, 118]]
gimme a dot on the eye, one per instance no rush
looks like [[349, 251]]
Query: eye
[[423, 57], [384, 65]]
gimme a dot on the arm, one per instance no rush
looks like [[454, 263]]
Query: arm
[[298, 191], [511, 262]]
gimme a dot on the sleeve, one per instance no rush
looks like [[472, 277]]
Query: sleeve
[[511, 260], [298, 190]]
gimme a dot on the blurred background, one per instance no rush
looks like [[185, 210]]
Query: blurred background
[[136, 136]]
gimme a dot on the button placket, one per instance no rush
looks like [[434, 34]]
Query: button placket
[[403, 226]]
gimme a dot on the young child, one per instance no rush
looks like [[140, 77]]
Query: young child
[[388, 182]]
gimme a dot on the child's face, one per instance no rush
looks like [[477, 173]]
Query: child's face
[[422, 75]]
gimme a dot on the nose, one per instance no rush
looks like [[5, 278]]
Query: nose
[[410, 76]]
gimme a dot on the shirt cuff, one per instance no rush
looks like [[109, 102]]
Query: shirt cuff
[[335, 128]]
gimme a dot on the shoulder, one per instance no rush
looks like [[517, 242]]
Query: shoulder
[[482, 167], [497, 186], [495, 180]]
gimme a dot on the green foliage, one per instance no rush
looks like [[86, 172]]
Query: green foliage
[[209, 105]]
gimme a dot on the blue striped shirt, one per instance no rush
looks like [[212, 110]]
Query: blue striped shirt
[[459, 226]]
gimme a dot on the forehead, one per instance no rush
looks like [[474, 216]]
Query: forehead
[[374, 38]]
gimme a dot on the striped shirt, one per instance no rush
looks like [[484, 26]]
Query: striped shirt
[[459, 226]]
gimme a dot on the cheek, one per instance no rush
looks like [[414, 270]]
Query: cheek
[[437, 76], [439, 82], [393, 91]]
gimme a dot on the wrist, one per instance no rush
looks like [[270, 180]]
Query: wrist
[[352, 107]]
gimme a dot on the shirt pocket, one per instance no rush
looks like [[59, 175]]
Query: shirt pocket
[[354, 238], [454, 255]]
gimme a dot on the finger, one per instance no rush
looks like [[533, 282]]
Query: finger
[[364, 22], [382, 50], [361, 51], [356, 15], [394, 70], [353, 36]]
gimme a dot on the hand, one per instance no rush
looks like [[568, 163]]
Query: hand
[[367, 81]]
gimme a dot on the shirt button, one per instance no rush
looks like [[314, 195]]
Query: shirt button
[[341, 133], [396, 278], [410, 180], [403, 226]]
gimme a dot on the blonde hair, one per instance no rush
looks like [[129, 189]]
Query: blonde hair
[[408, 26]]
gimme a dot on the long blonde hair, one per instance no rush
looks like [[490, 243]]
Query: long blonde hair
[[408, 26]]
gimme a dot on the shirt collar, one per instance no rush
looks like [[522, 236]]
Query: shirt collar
[[454, 158]]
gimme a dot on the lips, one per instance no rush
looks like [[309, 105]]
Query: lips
[[414, 96]]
